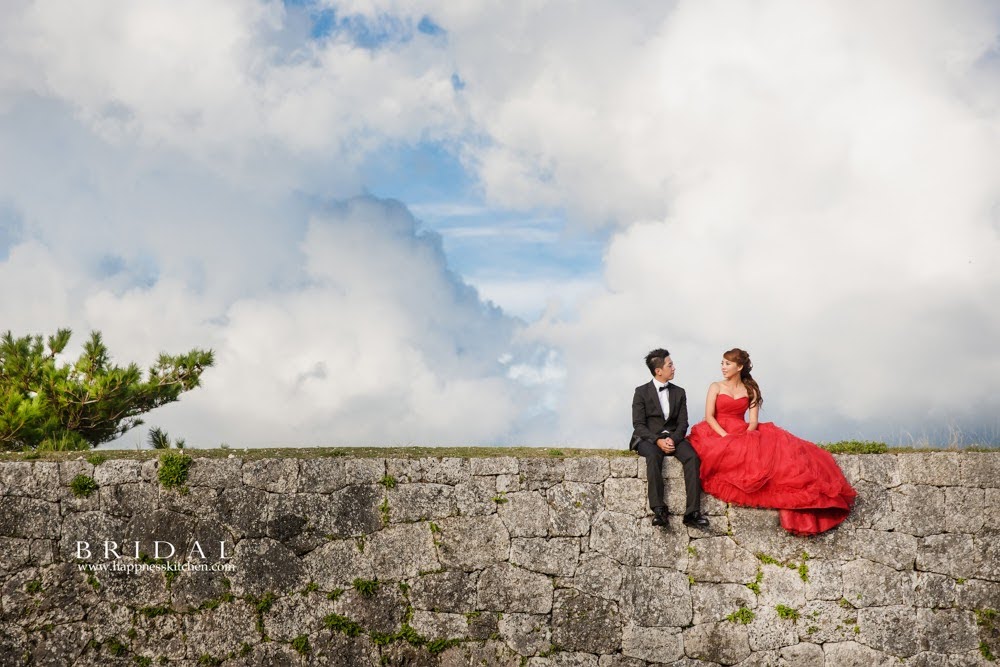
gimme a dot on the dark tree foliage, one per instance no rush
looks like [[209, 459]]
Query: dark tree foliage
[[51, 405]]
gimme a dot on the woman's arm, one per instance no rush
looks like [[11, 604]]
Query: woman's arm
[[753, 418], [713, 393]]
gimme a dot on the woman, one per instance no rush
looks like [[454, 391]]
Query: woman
[[762, 465]]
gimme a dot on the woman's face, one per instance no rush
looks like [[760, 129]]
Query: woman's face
[[730, 368]]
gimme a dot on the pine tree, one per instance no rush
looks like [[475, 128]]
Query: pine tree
[[49, 405]]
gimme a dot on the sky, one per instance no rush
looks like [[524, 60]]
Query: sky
[[414, 222]]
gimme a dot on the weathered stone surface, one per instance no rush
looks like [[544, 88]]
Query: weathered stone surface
[[398, 552], [980, 469], [453, 592], [665, 548], [380, 611], [656, 597], [934, 468], [821, 621], [591, 469], [240, 509], [323, 475], [487, 654], [881, 469], [890, 629], [918, 509], [986, 545], [495, 465], [540, 473], [220, 473], [853, 654], [652, 644], [964, 509], [334, 650], [802, 655], [951, 554], [625, 466], [507, 588], [221, 630], [118, 471], [526, 634], [720, 559], [264, 565], [825, 580], [445, 470], [626, 495], [872, 507], [478, 497], [28, 517], [896, 550], [436, 625], [93, 528], [128, 499], [571, 507], [713, 602], [616, 660], [525, 514], [618, 537], [724, 643], [947, 630], [782, 585], [977, 594], [292, 615], [421, 502], [557, 556], [351, 512], [868, 584], [582, 622], [336, 564], [364, 471], [274, 475], [933, 590], [768, 631], [599, 575], [471, 543]]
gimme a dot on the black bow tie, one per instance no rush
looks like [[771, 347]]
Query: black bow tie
[[662, 388]]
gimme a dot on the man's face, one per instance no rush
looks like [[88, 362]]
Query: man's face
[[665, 373]]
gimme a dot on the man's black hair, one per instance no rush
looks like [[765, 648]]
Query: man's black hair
[[655, 359]]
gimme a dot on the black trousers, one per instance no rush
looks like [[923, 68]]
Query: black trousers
[[684, 453]]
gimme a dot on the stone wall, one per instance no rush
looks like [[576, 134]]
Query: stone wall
[[490, 561]]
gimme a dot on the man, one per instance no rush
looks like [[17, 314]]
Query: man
[[660, 422]]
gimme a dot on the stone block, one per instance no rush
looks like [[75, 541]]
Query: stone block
[[599, 575], [526, 634], [436, 625], [351, 512], [538, 473], [947, 630], [571, 507], [880, 469], [504, 587], [625, 466], [324, 475], [720, 559], [404, 471], [872, 507], [272, 475], [591, 469], [626, 495], [964, 509], [556, 556], [221, 630], [494, 465], [896, 550], [934, 468], [118, 471], [511, 484], [660, 645], [29, 517], [525, 514], [986, 545], [978, 594], [656, 597], [665, 548], [241, 510], [619, 537], [582, 622], [954, 555], [891, 630], [713, 602], [451, 591], [981, 469], [477, 497], [67, 471], [825, 622], [128, 499], [825, 581], [781, 585], [403, 551], [216, 473], [380, 611], [768, 631], [933, 590], [918, 509], [868, 584], [265, 565], [364, 471], [421, 502], [472, 543], [296, 614], [991, 513], [802, 655], [853, 654], [446, 470], [724, 643]]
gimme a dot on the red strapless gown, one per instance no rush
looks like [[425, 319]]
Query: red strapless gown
[[770, 467]]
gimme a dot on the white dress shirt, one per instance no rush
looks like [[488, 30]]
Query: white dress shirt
[[664, 397]]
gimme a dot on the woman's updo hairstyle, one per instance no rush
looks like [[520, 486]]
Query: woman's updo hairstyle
[[742, 358]]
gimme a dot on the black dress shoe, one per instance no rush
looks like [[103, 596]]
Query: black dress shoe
[[695, 520], [660, 517]]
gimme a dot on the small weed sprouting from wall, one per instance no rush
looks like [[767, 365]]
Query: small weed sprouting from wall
[[174, 470], [83, 486]]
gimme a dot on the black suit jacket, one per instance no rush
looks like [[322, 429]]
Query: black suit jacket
[[647, 415]]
